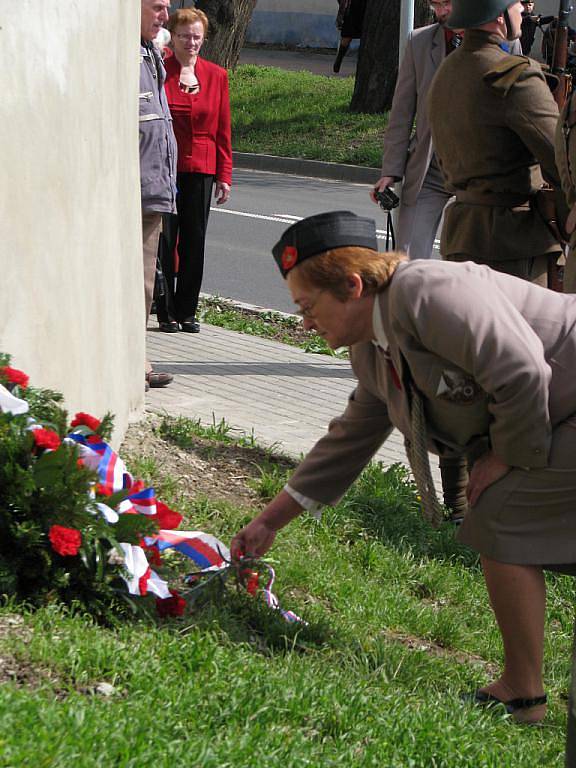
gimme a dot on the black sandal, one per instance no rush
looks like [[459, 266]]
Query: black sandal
[[518, 708]]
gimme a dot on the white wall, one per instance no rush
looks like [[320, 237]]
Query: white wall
[[71, 283]]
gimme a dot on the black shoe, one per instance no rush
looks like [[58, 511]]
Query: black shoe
[[190, 326], [168, 326], [158, 378]]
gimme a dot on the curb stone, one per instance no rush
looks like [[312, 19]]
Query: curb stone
[[355, 174], [235, 304]]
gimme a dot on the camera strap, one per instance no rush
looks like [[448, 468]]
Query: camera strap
[[390, 236]]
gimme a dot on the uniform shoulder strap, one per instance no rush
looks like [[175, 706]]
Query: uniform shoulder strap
[[503, 76]]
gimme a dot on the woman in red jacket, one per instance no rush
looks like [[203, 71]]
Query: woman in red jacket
[[197, 93]]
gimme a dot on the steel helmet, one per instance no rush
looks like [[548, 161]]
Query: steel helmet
[[467, 14]]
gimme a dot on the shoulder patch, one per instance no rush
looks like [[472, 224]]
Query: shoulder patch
[[503, 76]]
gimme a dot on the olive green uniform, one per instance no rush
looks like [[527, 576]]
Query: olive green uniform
[[566, 162], [493, 123]]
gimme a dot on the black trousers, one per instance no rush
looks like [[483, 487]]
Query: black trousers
[[186, 233]]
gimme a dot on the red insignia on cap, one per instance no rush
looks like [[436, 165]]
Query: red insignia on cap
[[289, 257]]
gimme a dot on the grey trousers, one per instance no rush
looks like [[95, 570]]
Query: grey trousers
[[418, 224]]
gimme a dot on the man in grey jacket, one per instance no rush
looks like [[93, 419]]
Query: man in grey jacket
[[157, 154]]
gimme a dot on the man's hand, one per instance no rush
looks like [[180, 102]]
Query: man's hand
[[221, 192], [486, 471], [381, 184]]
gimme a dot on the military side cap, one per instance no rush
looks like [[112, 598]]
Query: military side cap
[[323, 232]]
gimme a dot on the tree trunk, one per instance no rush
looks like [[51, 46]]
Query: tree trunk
[[377, 67], [422, 13], [229, 21]]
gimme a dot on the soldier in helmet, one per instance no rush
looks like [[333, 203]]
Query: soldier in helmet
[[496, 146]]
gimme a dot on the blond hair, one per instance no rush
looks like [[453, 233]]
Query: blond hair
[[330, 270], [187, 16]]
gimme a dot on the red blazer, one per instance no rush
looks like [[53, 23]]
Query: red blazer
[[201, 121]]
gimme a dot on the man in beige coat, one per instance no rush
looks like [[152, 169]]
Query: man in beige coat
[[488, 360], [496, 146], [408, 155]]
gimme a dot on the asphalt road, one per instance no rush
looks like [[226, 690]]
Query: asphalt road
[[241, 234]]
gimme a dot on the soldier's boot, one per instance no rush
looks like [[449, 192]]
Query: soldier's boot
[[454, 472]]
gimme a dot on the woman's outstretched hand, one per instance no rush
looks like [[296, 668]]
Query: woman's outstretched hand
[[488, 469], [254, 540]]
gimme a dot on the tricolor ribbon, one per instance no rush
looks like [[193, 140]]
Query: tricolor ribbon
[[111, 470], [205, 550]]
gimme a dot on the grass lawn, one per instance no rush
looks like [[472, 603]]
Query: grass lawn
[[267, 324], [298, 114], [399, 626]]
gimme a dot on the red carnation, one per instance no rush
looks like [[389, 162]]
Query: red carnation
[[14, 376], [65, 541], [171, 606], [251, 579], [46, 438], [167, 518], [85, 420]]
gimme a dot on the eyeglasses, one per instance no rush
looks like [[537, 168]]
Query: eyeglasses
[[307, 312], [189, 38]]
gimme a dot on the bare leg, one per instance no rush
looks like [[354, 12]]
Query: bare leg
[[518, 598]]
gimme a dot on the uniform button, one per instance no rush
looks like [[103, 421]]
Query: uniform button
[[537, 451]]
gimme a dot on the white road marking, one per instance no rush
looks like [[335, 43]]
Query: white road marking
[[289, 218]]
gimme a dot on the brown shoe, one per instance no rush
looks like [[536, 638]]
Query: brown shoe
[[159, 379]]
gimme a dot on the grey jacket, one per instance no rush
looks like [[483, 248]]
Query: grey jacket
[[407, 155], [158, 152], [492, 356]]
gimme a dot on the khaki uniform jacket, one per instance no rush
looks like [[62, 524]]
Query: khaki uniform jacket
[[406, 154], [493, 122], [492, 356]]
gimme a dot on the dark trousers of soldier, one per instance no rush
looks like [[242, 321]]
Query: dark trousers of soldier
[[185, 233], [454, 471]]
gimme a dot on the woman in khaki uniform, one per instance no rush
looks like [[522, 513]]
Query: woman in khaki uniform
[[462, 360]]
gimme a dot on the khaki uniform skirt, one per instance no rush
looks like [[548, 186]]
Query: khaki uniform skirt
[[529, 516]]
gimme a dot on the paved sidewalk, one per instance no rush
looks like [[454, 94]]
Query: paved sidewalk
[[281, 394]]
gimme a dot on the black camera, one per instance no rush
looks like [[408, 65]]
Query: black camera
[[387, 199]]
